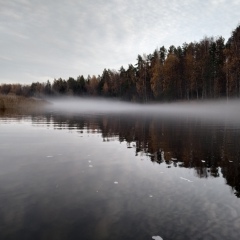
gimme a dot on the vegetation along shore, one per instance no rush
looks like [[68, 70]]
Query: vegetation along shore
[[13, 102]]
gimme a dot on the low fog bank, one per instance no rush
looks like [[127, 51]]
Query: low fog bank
[[91, 105], [220, 110]]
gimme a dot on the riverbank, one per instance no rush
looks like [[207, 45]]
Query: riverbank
[[14, 102]]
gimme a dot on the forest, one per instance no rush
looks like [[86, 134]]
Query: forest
[[208, 69]]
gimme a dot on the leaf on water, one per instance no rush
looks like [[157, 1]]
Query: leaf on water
[[157, 238], [186, 179]]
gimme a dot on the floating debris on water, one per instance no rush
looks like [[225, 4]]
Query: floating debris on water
[[49, 156], [203, 160], [115, 182], [157, 238], [174, 159], [89, 161], [230, 161], [186, 179], [150, 195], [150, 155], [90, 165]]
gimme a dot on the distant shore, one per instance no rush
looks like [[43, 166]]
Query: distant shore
[[14, 102]]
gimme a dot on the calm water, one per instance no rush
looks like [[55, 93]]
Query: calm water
[[118, 177]]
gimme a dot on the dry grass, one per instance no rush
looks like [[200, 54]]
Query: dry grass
[[22, 103]]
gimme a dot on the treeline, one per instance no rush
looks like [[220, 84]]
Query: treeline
[[206, 69]]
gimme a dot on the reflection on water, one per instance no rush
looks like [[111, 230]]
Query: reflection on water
[[210, 149], [118, 177]]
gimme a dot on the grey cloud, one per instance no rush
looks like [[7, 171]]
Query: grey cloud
[[68, 38]]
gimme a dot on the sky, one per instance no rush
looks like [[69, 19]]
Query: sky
[[45, 39]]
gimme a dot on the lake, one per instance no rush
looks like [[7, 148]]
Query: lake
[[118, 176]]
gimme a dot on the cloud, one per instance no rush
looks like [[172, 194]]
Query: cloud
[[69, 38], [39, 78], [5, 58]]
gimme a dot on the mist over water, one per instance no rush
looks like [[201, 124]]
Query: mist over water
[[93, 105], [217, 111]]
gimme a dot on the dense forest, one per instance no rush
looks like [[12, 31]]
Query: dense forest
[[198, 70]]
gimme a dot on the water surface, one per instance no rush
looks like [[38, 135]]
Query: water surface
[[118, 176]]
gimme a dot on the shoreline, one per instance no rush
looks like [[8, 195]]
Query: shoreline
[[14, 102]]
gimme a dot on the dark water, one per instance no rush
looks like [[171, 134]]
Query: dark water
[[118, 177]]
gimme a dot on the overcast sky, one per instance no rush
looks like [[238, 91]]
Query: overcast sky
[[47, 39]]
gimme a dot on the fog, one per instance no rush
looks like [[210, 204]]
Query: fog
[[220, 110]]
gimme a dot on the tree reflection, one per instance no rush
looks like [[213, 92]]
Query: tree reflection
[[211, 150]]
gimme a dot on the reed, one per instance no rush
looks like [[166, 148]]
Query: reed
[[19, 102]]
